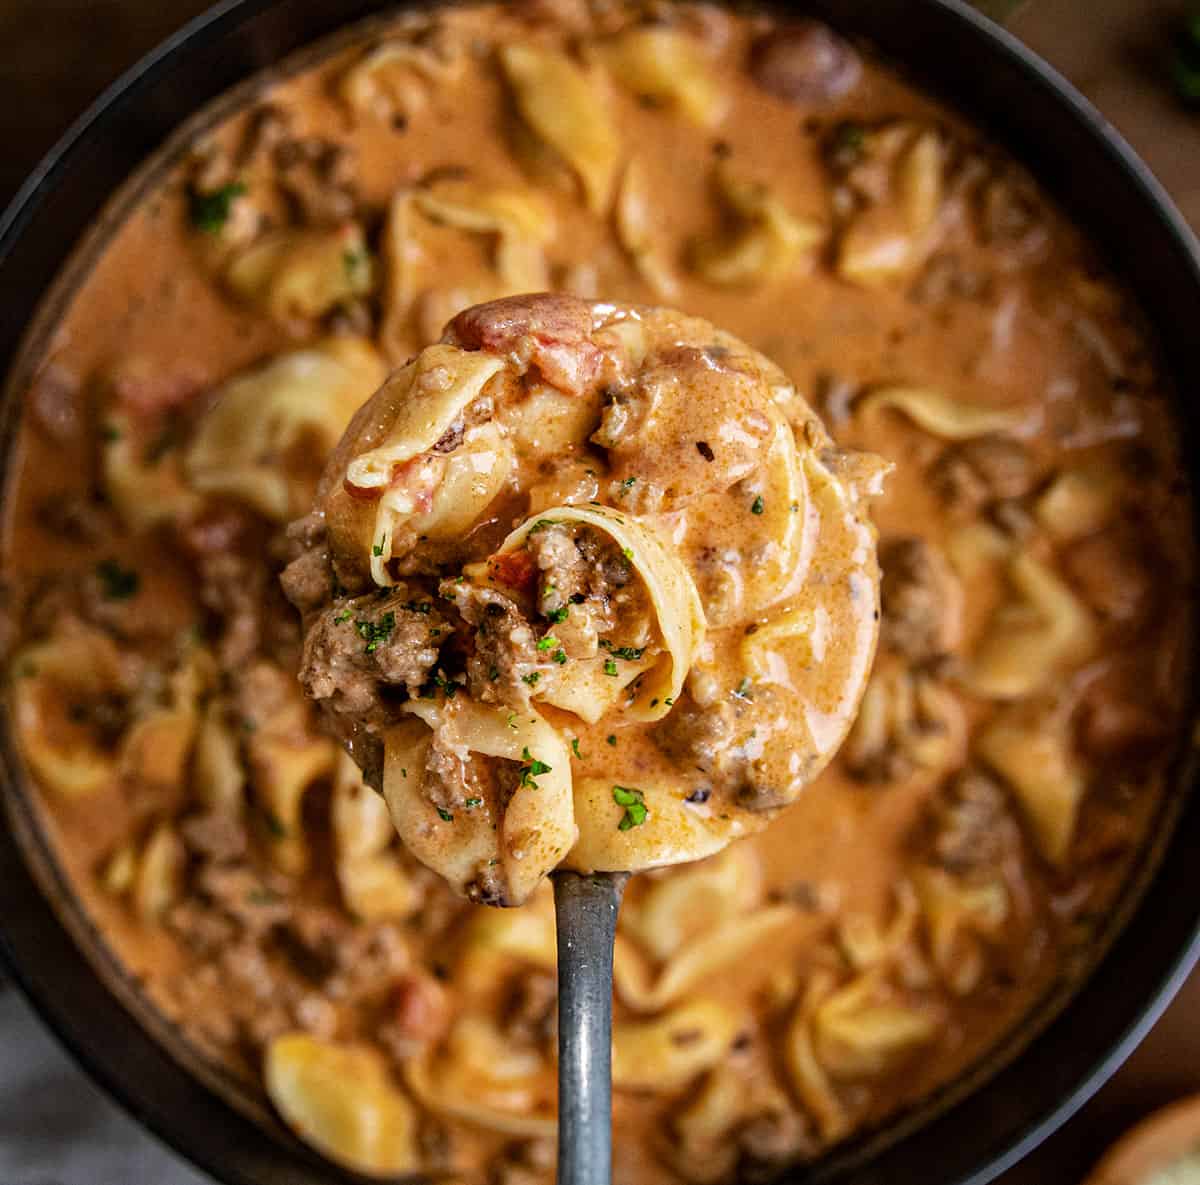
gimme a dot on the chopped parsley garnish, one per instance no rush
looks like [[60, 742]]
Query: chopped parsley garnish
[[669, 701], [756, 507], [548, 642], [493, 674], [472, 803], [209, 210], [627, 552], [531, 678], [354, 260], [512, 721], [374, 632], [612, 739], [342, 617], [849, 138], [628, 653], [560, 657], [449, 687], [558, 616], [377, 549], [634, 802], [445, 816], [543, 523], [424, 608], [610, 668], [743, 689], [627, 485], [118, 584], [275, 825], [533, 768], [575, 748]]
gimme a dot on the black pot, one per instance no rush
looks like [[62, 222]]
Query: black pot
[[975, 1128]]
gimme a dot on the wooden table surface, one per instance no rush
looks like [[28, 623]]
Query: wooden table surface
[[56, 55]]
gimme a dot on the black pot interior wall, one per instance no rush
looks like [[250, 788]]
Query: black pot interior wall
[[946, 47]]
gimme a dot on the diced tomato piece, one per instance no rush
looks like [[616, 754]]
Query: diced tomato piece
[[515, 569]]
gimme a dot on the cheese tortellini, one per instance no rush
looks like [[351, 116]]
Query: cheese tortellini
[[490, 651]]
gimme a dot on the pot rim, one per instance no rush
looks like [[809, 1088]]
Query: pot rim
[[235, 1158]]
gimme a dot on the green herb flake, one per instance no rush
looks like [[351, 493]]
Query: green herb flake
[[493, 674], [610, 668], [343, 617], [512, 721], [533, 768], [634, 802], [669, 701], [377, 550], [445, 816], [275, 825], [548, 642], [374, 632], [472, 803], [531, 678], [354, 260], [757, 506], [612, 739], [117, 583], [743, 689], [575, 748], [424, 608], [209, 210], [543, 523], [560, 657], [558, 616]]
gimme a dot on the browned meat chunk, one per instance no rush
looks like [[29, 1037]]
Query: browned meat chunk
[[585, 586], [550, 333], [530, 1012], [254, 901], [805, 62], [654, 427], [975, 472], [456, 779], [1111, 570], [921, 600], [969, 826], [217, 835], [226, 546], [504, 663], [307, 581], [722, 743], [364, 654], [319, 178], [420, 1016]]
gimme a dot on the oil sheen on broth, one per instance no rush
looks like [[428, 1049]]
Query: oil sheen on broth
[[920, 292]]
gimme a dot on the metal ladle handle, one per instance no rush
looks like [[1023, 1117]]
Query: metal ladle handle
[[586, 921]]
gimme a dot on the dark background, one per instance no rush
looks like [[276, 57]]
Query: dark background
[[56, 56]]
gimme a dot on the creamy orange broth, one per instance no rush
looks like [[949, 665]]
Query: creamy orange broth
[[249, 936]]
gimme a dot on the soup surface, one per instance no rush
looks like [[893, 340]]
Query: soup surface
[[952, 864]]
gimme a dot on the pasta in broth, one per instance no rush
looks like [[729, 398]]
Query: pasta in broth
[[682, 474], [958, 859]]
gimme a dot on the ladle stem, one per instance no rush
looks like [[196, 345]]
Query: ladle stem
[[586, 918]]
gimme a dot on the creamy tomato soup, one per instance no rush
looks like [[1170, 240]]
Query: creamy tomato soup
[[916, 290]]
